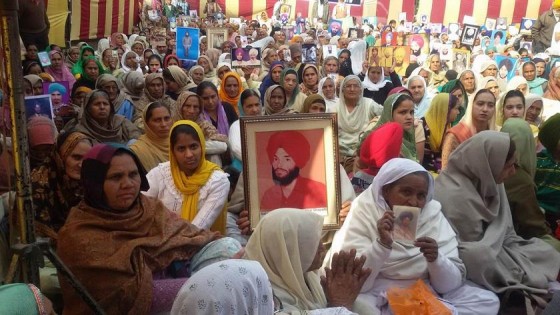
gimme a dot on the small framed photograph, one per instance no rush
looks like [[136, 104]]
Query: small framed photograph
[[424, 19], [454, 28], [469, 34], [352, 33], [216, 37], [291, 161], [309, 53], [158, 37], [408, 27], [461, 60], [446, 52], [44, 58], [389, 38], [246, 57], [287, 55], [498, 38], [506, 67], [406, 222], [172, 24], [435, 28], [501, 23], [193, 14], [527, 45], [289, 31], [335, 27], [188, 46], [526, 25], [490, 24], [38, 106], [330, 50]]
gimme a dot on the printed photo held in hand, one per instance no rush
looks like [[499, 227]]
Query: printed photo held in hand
[[406, 221], [291, 162], [38, 106], [188, 43]]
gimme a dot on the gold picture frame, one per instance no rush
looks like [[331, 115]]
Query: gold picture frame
[[216, 37], [273, 147]]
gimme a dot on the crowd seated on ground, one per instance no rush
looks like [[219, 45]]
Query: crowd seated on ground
[[144, 176]]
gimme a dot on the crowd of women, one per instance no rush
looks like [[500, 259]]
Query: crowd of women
[[136, 179]]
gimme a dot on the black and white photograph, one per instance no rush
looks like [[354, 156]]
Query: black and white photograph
[[309, 53], [406, 221], [469, 34]]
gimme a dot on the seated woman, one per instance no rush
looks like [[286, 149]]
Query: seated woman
[[309, 80], [528, 219], [327, 89], [154, 92], [455, 88], [56, 184], [209, 71], [120, 101], [78, 68], [432, 256], [375, 84], [188, 184], [23, 298], [152, 148], [314, 104], [400, 109], [354, 114], [116, 239], [421, 97], [480, 116], [189, 107], [547, 178], [221, 115], [289, 81], [176, 81], [276, 102], [380, 146], [249, 105], [130, 61], [92, 69], [35, 85], [518, 83], [536, 84], [475, 202], [100, 123], [287, 243], [230, 90], [490, 83], [468, 79], [533, 112], [235, 286], [272, 78], [436, 122], [511, 105], [197, 75]]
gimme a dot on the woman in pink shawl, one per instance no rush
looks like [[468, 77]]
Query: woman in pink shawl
[[58, 69]]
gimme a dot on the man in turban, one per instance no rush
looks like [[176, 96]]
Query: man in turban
[[288, 152]]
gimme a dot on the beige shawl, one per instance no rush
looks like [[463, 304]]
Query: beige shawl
[[495, 256]]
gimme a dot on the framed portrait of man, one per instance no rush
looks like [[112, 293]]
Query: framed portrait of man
[[291, 161], [216, 37], [469, 34], [187, 39]]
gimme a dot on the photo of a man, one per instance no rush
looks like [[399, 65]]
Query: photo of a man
[[289, 152]]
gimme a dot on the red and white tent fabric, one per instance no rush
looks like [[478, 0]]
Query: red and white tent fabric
[[382, 9], [101, 18], [453, 11]]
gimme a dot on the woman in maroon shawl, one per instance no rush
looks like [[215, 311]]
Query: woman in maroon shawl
[[116, 238]]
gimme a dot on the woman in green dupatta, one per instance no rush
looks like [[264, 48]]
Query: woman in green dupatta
[[456, 88], [78, 68], [399, 108]]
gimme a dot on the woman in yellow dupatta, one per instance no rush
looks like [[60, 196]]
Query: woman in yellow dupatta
[[152, 148], [231, 88], [189, 185]]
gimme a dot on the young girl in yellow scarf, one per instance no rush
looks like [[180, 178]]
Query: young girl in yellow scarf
[[188, 184]]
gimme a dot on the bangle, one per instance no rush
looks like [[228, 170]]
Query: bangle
[[384, 245]]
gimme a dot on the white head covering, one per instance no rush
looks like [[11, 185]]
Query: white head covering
[[374, 86], [515, 82], [285, 243], [358, 51], [360, 231], [102, 45], [132, 39], [124, 67], [224, 58], [478, 63], [421, 108], [234, 286], [530, 99], [330, 103], [263, 43]]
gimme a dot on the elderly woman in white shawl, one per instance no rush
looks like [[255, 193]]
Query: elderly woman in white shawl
[[421, 97], [327, 89], [130, 61], [432, 257], [354, 114], [287, 243]]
